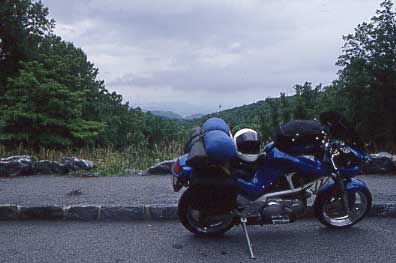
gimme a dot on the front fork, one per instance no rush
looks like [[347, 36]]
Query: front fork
[[340, 185], [342, 192]]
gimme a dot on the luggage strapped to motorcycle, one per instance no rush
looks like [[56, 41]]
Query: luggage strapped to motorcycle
[[210, 144], [209, 149], [300, 137]]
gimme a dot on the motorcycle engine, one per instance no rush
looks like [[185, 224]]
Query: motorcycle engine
[[281, 211]]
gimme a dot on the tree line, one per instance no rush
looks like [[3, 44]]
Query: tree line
[[50, 94]]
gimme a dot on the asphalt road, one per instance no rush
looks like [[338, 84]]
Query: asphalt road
[[126, 190], [42, 190], [305, 241]]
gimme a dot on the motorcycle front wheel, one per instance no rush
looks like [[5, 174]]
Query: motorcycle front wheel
[[200, 222], [330, 209]]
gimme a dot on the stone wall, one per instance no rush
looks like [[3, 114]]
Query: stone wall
[[23, 165]]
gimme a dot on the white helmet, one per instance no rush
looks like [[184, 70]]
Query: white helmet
[[248, 144]]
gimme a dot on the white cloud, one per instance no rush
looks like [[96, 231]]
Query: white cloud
[[75, 30], [205, 52]]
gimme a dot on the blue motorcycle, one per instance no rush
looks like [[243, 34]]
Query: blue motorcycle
[[308, 163]]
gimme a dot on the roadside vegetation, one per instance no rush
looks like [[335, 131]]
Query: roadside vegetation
[[109, 160], [52, 104]]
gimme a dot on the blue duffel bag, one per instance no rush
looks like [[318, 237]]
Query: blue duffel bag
[[219, 146], [213, 145], [215, 124]]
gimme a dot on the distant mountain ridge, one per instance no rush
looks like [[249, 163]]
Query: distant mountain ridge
[[257, 115], [167, 114], [174, 115], [194, 116], [249, 115]]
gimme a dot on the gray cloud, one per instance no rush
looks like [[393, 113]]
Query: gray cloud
[[191, 56]]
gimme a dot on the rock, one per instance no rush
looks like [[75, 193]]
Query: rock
[[133, 172], [382, 155], [25, 165], [88, 174], [16, 166], [75, 192], [75, 164], [164, 167], [381, 163], [50, 167]]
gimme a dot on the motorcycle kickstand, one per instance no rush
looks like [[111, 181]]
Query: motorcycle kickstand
[[243, 223]]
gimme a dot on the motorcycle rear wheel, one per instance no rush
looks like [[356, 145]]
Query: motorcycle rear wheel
[[200, 223], [329, 209]]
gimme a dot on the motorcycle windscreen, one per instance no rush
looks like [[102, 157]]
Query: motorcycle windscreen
[[340, 128]]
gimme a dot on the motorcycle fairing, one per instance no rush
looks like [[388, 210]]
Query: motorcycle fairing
[[349, 172], [186, 170], [275, 165], [351, 186]]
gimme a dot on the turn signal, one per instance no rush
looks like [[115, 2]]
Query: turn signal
[[176, 167]]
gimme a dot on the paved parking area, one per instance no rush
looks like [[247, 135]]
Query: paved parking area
[[371, 240], [126, 191]]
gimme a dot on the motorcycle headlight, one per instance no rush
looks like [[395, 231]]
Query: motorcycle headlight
[[347, 159]]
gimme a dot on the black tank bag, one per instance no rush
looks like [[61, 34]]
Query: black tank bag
[[300, 137]]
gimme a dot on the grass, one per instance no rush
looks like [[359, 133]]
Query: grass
[[109, 161]]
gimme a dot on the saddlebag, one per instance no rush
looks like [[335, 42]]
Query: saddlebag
[[300, 137], [213, 191]]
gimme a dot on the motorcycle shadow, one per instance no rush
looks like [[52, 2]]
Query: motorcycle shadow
[[354, 230], [267, 241]]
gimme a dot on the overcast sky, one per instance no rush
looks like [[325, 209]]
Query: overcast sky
[[190, 56]]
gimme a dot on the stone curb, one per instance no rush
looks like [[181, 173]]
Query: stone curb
[[88, 212], [127, 213]]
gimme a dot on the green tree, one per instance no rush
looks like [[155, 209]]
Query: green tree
[[273, 113], [23, 24], [284, 108], [331, 99], [265, 129], [36, 110], [306, 102], [368, 76], [50, 93]]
